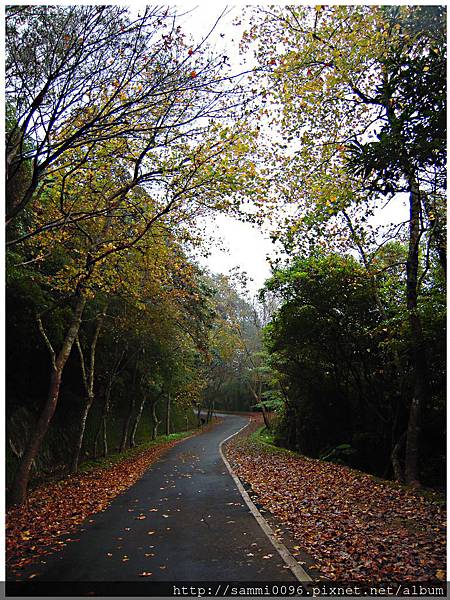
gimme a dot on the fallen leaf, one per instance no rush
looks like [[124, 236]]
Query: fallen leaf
[[58, 508], [354, 526]]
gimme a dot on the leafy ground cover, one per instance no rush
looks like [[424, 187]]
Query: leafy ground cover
[[57, 509], [355, 526]]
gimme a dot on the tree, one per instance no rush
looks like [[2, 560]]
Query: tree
[[79, 76], [326, 341], [87, 364], [359, 132], [99, 211]]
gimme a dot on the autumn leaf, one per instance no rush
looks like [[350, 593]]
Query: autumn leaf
[[354, 526], [59, 508]]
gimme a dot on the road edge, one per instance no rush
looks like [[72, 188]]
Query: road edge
[[287, 557]]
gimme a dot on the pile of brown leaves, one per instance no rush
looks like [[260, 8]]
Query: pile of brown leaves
[[355, 526], [57, 509]]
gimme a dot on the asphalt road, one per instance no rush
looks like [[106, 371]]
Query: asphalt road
[[184, 520]]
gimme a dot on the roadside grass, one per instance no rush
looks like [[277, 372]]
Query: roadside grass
[[266, 440], [112, 459]]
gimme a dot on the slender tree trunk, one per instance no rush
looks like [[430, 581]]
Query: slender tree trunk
[[265, 413], [266, 418], [102, 428], [82, 429], [155, 419], [168, 403], [88, 382], [418, 354], [105, 438], [106, 411], [210, 411], [132, 404], [97, 438], [126, 427], [21, 480], [136, 422]]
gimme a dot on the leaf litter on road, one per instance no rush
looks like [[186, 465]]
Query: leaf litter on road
[[59, 508]]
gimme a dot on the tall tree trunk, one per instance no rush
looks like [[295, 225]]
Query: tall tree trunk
[[19, 487], [266, 418], [265, 414], [211, 407], [418, 355], [168, 403], [136, 422], [105, 437], [79, 443], [199, 410], [105, 415], [102, 429], [97, 438], [126, 427], [155, 419], [88, 382]]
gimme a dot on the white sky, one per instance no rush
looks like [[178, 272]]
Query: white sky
[[235, 244], [244, 246]]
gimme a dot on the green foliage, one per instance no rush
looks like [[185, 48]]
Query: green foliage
[[340, 358], [413, 91]]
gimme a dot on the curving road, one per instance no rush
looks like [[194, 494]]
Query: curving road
[[184, 520]]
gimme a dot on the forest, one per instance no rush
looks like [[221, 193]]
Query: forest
[[124, 133]]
